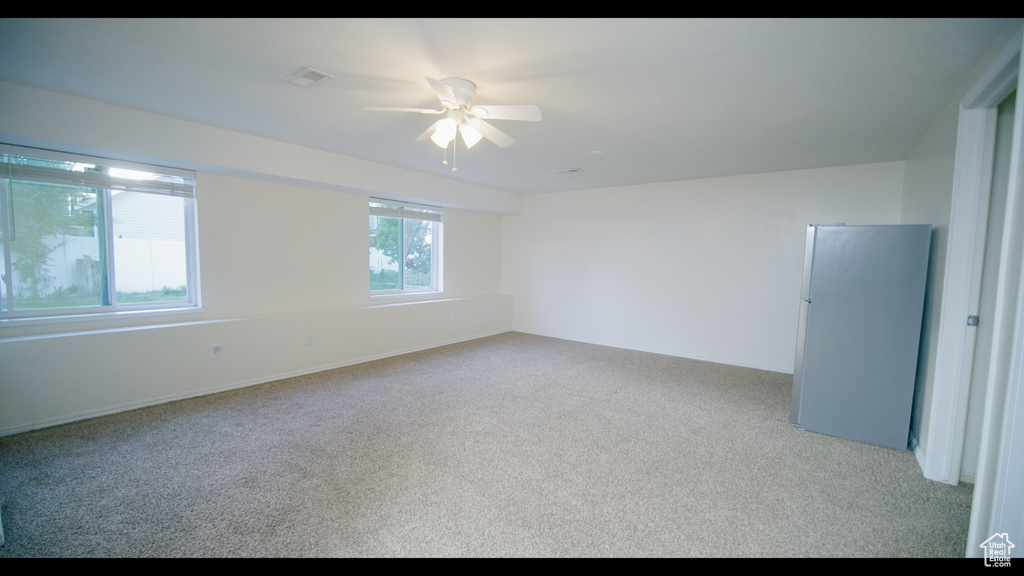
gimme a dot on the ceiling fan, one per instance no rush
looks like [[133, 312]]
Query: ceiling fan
[[464, 117]]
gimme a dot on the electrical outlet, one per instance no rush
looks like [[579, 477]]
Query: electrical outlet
[[309, 340], [451, 317], [215, 351]]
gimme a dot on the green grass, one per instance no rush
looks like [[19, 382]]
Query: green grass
[[388, 279], [71, 298]]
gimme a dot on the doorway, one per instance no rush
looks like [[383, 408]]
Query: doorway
[[990, 236]]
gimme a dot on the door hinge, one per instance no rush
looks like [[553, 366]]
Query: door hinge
[[972, 320]]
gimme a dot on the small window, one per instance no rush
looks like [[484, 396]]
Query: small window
[[91, 235], [405, 242]]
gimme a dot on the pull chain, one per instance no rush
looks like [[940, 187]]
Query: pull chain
[[445, 157]]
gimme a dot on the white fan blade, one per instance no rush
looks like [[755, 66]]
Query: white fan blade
[[420, 110], [508, 112], [444, 93], [493, 134]]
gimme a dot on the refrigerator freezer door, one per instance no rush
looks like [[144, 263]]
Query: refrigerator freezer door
[[862, 332]]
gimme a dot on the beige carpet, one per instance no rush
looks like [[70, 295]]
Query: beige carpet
[[508, 446]]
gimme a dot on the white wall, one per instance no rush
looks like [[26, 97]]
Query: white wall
[[283, 256], [928, 191], [706, 269], [60, 377]]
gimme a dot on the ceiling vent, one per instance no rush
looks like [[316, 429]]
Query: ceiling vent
[[306, 77], [569, 170]]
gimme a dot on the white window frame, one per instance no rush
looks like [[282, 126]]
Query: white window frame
[[174, 182], [382, 207]]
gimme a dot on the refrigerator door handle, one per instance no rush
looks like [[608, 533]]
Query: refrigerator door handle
[[805, 280], [801, 342], [805, 300]]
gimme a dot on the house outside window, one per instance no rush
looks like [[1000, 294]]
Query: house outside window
[[87, 235], [405, 248]]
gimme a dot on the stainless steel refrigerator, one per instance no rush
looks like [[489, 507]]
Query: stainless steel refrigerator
[[862, 300]]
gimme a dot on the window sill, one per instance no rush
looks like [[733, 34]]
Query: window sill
[[407, 296], [51, 324]]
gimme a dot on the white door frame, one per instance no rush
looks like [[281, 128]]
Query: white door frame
[[998, 505], [968, 212], [999, 486]]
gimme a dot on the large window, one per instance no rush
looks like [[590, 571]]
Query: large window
[[405, 252], [86, 235]]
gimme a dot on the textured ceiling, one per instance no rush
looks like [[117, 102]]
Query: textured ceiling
[[660, 99]]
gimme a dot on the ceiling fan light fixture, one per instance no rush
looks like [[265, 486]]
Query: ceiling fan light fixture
[[469, 135], [456, 96], [444, 133], [440, 140]]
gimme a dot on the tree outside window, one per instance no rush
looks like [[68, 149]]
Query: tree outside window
[[402, 250]]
